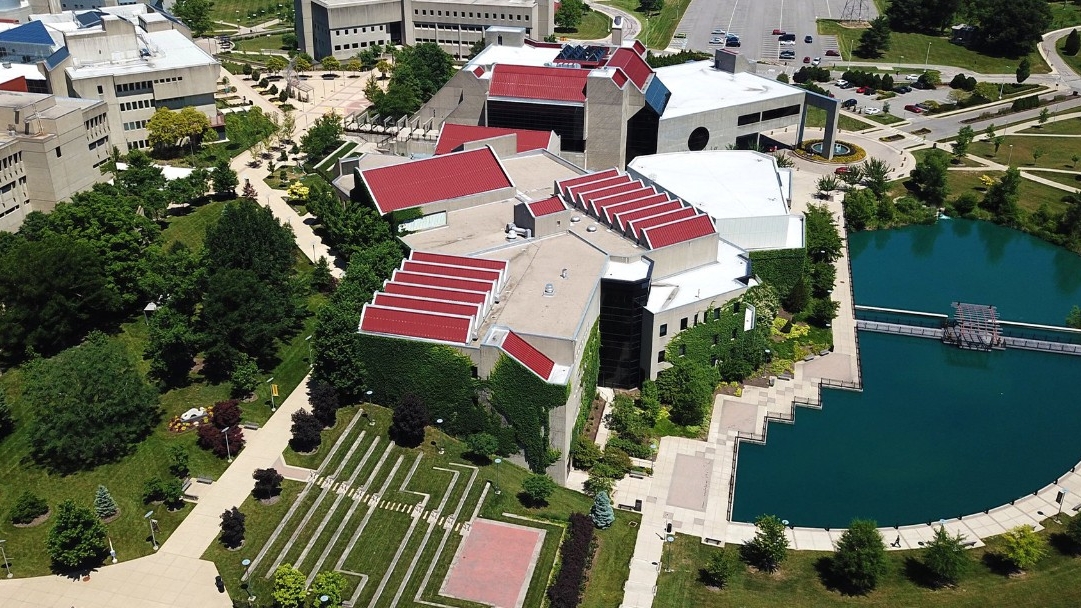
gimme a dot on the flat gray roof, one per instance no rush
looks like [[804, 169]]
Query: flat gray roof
[[697, 86]]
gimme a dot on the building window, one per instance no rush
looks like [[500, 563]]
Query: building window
[[660, 356], [682, 350], [101, 90], [713, 360], [664, 329], [716, 314], [696, 318], [734, 333], [683, 323], [735, 307], [716, 339]]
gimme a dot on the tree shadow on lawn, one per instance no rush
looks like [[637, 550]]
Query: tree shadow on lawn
[[1064, 545], [998, 564], [829, 578], [918, 572]]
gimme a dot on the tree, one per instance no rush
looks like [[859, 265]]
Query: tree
[[602, 514], [1037, 153], [179, 461], [275, 64], [930, 79], [409, 421], [249, 192], [946, 558], [823, 310], [1001, 198], [826, 184], [651, 7], [28, 507], [232, 528], [331, 584], [354, 65], [1073, 43], [324, 401], [1045, 115], [383, 67], [482, 445], [171, 347], [538, 487], [104, 505], [324, 135], [861, 556], [875, 39], [330, 63], [321, 279], [302, 64], [823, 240], [195, 14], [290, 586], [306, 431], [213, 438], [245, 376], [922, 16], [268, 483], [720, 567], [289, 39], [425, 68], [769, 547], [1073, 528], [169, 129], [1024, 70], [77, 540], [7, 421], [91, 406], [597, 483], [964, 138], [569, 14], [480, 44], [1073, 319], [1011, 27], [876, 174], [783, 77], [224, 179], [989, 133], [859, 211], [929, 178], [1022, 547], [798, 297], [400, 99], [688, 387], [585, 453]]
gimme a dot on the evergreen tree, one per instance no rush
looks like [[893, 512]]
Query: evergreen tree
[[602, 513], [232, 528], [945, 557], [875, 39], [799, 296], [1024, 70], [769, 547], [861, 556], [77, 540], [7, 421], [409, 420], [104, 504], [1073, 43]]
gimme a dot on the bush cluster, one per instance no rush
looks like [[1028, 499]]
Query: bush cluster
[[574, 556], [811, 74], [28, 507], [1025, 103], [965, 83], [860, 78]]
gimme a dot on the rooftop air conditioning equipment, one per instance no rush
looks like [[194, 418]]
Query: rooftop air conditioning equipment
[[512, 235], [549, 290], [575, 219], [592, 228], [7, 65]]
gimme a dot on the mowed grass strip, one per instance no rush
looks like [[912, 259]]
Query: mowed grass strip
[[1068, 126], [1030, 194], [1056, 152], [657, 29], [912, 49], [1072, 180], [1050, 583]]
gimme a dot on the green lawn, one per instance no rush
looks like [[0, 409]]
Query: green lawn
[[385, 531], [190, 229], [1070, 126], [269, 42], [244, 12], [816, 119], [962, 162], [1050, 583], [657, 30], [1073, 180], [1030, 194], [912, 49], [595, 25], [884, 119], [340, 152], [1057, 151], [1064, 14], [1074, 61]]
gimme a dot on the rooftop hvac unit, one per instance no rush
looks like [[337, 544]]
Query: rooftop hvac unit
[[549, 290]]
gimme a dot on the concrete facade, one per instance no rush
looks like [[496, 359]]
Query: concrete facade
[[52, 149], [343, 28]]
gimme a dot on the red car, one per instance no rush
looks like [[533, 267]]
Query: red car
[[832, 53], [914, 109], [865, 90], [841, 170], [806, 60], [779, 32]]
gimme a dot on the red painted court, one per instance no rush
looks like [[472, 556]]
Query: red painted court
[[494, 564]]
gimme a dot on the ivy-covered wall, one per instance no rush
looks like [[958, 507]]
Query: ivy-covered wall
[[590, 366], [781, 268], [525, 400], [711, 342], [438, 374]]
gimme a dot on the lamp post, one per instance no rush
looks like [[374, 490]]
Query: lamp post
[[652, 452], [273, 406], [667, 541], [228, 453], [439, 427], [311, 363], [243, 585], [153, 537], [368, 393], [927, 57], [112, 551], [4, 555], [1009, 162], [324, 600]]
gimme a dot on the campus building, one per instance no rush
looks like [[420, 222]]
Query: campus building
[[132, 57], [343, 28], [52, 148], [516, 252], [608, 106]]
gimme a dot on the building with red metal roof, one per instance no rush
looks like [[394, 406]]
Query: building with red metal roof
[[454, 138]]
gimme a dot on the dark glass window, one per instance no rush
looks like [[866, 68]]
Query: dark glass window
[[683, 323], [748, 119], [664, 329], [699, 138], [660, 356]]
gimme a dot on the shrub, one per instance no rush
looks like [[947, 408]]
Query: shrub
[[585, 453], [77, 540], [574, 557], [482, 444], [629, 447], [769, 547], [28, 507], [617, 459], [306, 432], [232, 528], [1025, 103], [167, 491], [268, 483], [720, 567], [597, 484], [213, 439], [283, 96], [178, 461], [226, 414], [538, 487], [602, 513], [323, 398], [860, 559], [1023, 548], [409, 421]]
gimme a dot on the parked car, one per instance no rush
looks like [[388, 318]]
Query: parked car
[[841, 170], [865, 90], [806, 60], [832, 53], [816, 61], [778, 32], [788, 38], [787, 43], [914, 109], [731, 42], [841, 82], [912, 77], [903, 89], [849, 103], [872, 111], [808, 39], [923, 105], [715, 41], [718, 31], [681, 35], [788, 55]]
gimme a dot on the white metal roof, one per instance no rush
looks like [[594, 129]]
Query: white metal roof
[[697, 87]]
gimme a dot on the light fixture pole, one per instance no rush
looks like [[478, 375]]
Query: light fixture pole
[[927, 57], [1009, 162], [153, 537], [371, 421], [667, 541], [228, 453], [439, 427], [311, 362], [112, 551], [4, 555]]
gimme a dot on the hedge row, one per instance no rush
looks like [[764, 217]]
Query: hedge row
[[574, 556], [781, 268], [1026, 103], [524, 400]]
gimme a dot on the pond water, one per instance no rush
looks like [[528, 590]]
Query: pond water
[[937, 432]]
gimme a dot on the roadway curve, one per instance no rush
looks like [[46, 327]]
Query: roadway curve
[[631, 26]]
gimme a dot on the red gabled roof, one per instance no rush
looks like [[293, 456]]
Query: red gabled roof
[[538, 82], [619, 78], [547, 206], [414, 278], [526, 354], [587, 198], [638, 46], [390, 300], [415, 324], [451, 271], [439, 178], [420, 291], [603, 203], [457, 260], [563, 185], [626, 217], [678, 232], [572, 191], [633, 65], [451, 137], [612, 212], [637, 226], [478, 71]]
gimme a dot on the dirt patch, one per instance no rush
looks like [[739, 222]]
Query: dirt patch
[[40, 519], [111, 518], [593, 422], [270, 501]]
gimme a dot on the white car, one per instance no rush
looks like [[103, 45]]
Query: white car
[[816, 61], [872, 111], [718, 32], [716, 41], [787, 43], [912, 77], [842, 83]]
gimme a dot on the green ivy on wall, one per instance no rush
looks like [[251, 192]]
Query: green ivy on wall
[[590, 366], [719, 341], [781, 268], [438, 374], [525, 400]]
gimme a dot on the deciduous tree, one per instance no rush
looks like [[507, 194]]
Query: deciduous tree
[[769, 547], [960, 145], [538, 487], [482, 444], [688, 387], [860, 559], [946, 558], [306, 432], [569, 14], [409, 421], [330, 63], [77, 540], [331, 584], [232, 528], [224, 179], [268, 483], [195, 14], [720, 567], [929, 178], [171, 347], [290, 586], [1022, 547]]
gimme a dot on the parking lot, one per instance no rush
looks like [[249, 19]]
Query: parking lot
[[897, 103], [755, 20]]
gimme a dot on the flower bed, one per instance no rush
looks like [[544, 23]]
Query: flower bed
[[804, 151], [177, 425]]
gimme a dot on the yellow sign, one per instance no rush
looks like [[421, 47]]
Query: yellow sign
[[274, 389]]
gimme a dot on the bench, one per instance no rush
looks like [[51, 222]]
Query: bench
[[970, 543], [187, 484], [251, 426], [206, 480]]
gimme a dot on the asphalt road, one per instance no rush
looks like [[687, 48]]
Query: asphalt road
[[754, 21]]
